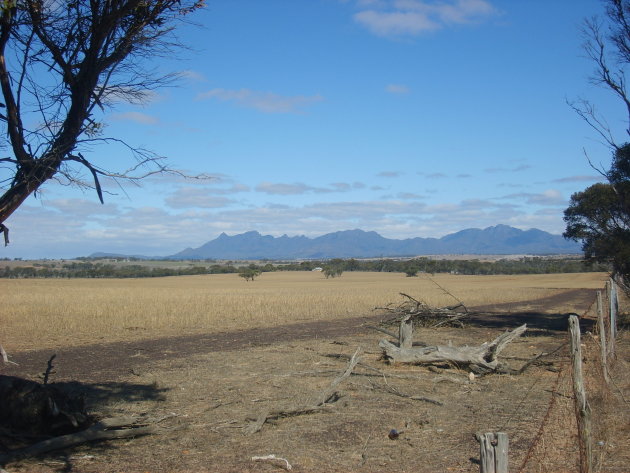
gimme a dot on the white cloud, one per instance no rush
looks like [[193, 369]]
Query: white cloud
[[301, 188], [413, 17], [283, 189], [409, 196], [266, 102], [395, 23], [190, 197], [389, 174], [519, 168], [192, 75], [82, 208], [582, 178], [397, 89], [137, 117], [550, 197]]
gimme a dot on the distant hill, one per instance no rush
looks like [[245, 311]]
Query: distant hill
[[497, 240]]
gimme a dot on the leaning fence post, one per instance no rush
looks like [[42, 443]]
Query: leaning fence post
[[582, 409], [614, 303], [493, 452], [602, 337]]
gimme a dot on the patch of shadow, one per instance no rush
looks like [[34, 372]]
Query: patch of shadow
[[47, 407], [538, 324], [99, 395]]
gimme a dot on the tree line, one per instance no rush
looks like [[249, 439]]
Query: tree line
[[329, 268]]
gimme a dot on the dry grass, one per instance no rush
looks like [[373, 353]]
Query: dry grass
[[46, 313]]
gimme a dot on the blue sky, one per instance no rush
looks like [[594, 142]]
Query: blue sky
[[406, 117]]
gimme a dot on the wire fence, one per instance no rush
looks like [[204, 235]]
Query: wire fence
[[557, 445]]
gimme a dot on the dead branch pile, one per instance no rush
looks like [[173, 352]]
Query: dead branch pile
[[423, 314]]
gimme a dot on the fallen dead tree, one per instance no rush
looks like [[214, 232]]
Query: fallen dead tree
[[31, 411], [114, 428], [480, 359], [322, 401], [423, 314]]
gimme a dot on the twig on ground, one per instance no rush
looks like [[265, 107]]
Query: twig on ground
[[392, 390], [275, 460], [49, 369], [364, 452], [5, 358], [533, 360]]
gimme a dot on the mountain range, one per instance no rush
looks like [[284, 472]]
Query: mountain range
[[497, 240]]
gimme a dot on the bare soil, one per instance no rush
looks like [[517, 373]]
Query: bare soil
[[208, 389]]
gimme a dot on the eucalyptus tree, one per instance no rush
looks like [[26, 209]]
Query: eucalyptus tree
[[599, 216], [64, 63]]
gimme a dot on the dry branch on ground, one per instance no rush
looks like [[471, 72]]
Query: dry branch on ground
[[100, 431], [322, 401], [480, 359]]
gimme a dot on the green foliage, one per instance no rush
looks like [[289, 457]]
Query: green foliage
[[249, 273], [411, 272], [599, 217], [333, 270]]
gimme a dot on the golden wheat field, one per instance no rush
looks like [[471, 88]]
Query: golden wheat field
[[45, 313]]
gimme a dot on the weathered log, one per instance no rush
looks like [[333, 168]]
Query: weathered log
[[480, 359], [96, 432]]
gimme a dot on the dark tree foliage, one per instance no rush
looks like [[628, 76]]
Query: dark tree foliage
[[62, 63], [599, 216], [249, 274], [99, 269]]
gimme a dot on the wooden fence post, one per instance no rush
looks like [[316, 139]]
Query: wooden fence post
[[601, 327], [493, 452], [614, 305], [582, 409]]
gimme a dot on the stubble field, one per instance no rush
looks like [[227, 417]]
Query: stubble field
[[69, 312], [208, 354]]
